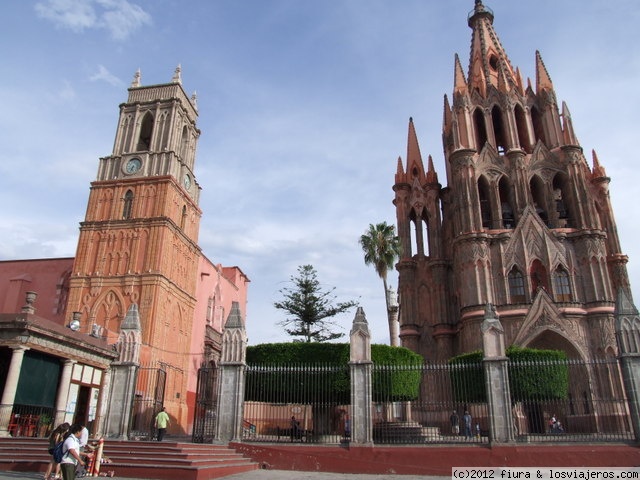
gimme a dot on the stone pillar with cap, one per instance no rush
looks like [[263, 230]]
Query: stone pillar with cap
[[496, 378], [360, 365], [627, 325], [231, 382]]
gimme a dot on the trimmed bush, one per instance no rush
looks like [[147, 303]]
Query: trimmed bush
[[533, 375], [312, 372]]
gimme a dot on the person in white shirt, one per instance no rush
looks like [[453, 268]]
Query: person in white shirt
[[71, 449]]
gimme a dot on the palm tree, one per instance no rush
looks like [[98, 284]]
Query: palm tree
[[381, 249]]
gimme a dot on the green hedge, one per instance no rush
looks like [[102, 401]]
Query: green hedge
[[297, 381], [533, 375]]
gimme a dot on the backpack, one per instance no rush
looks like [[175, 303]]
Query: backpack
[[58, 452]]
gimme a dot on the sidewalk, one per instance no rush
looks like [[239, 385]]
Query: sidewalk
[[263, 475]]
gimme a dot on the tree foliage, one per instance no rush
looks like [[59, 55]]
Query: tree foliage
[[381, 249], [534, 375], [309, 308], [312, 372]]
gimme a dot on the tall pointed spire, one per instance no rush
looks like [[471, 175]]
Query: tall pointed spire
[[459, 82], [569, 135], [543, 80], [415, 166], [488, 58]]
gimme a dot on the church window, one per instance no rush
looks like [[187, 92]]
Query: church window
[[498, 129], [183, 220], [538, 127], [146, 129], [560, 200], [506, 210], [420, 234], [516, 286], [538, 277], [539, 203], [480, 128], [128, 205], [562, 286], [184, 143], [485, 202], [210, 307], [521, 126]]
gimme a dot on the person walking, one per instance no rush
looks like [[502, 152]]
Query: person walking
[[71, 450], [162, 422], [455, 423], [467, 420], [56, 436]]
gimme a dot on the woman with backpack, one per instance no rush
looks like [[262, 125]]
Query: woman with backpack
[[71, 452], [56, 436]]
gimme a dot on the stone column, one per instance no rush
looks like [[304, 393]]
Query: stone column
[[231, 381], [10, 388], [124, 376], [361, 365], [628, 337], [62, 396], [102, 403], [497, 378]]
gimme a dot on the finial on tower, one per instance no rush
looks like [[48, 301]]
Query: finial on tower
[[136, 79], [478, 10], [177, 76], [194, 100]]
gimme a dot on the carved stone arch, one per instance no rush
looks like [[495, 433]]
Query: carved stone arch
[[145, 133], [484, 197], [542, 157], [628, 331], [544, 316], [108, 311], [553, 339], [520, 113]]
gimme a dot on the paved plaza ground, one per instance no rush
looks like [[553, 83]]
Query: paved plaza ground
[[263, 475]]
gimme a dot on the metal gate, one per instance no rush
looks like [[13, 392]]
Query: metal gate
[[147, 402], [204, 419]]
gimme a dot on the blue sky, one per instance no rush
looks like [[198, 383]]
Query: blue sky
[[304, 107]]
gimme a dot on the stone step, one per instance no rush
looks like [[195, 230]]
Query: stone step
[[157, 460]]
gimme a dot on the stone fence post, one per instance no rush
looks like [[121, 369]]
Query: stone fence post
[[231, 382], [496, 377], [360, 366], [628, 338]]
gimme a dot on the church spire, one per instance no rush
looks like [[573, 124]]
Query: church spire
[[543, 80], [415, 166], [488, 60]]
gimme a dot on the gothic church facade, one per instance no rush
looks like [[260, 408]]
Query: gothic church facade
[[525, 223]]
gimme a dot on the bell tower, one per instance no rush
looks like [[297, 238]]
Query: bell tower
[[526, 225], [138, 241]]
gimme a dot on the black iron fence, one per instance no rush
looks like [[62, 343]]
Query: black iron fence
[[204, 420], [429, 404], [569, 401], [297, 403], [147, 402], [551, 401], [28, 420]]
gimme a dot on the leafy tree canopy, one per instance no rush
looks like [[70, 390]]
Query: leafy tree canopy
[[309, 308]]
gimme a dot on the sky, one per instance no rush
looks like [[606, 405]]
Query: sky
[[303, 108]]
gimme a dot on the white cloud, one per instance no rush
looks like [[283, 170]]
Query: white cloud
[[104, 75], [76, 15], [120, 17]]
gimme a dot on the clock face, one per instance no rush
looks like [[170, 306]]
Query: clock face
[[133, 165], [187, 181]]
